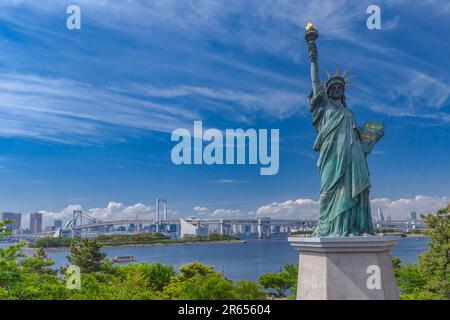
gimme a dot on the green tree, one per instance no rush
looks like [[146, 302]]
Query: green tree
[[10, 271], [23, 277], [153, 276], [199, 282], [37, 286], [396, 263], [104, 286], [430, 278], [39, 263], [292, 270], [281, 282], [3, 224], [195, 269], [249, 290], [86, 254], [277, 281], [435, 263], [410, 279]]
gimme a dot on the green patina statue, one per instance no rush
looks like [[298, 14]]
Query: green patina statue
[[343, 146]]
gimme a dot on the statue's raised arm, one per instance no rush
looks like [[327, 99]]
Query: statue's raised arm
[[311, 35]]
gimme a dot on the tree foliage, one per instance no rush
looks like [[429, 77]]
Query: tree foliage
[[31, 277], [3, 226], [39, 263], [86, 255], [430, 278], [147, 276], [281, 282], [200, 282], [25, 277]]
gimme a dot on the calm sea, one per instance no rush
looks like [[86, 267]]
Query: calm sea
[[238, 261]]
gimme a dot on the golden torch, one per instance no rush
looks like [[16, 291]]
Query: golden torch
[[311, 33]]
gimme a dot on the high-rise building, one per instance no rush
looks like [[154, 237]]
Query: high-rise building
[[413, 215], [57, 224], [380, 215], [15, 217], [36, 222]]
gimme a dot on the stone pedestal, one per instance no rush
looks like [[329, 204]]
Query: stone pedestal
[[351, 268]]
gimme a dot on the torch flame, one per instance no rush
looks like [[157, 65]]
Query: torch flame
[[309, 26]]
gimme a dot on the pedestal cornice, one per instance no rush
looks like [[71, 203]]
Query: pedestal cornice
[[344, 244]]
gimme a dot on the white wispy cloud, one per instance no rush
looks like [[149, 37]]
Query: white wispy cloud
[[204, 212], [399, 208], [396, 208], [259, 27], [226, 213], [67, 111], [112, 211], [402, 92], [433, 93], [226, 181], [201, 210], [274, 102], [305, 208], [300, 208]]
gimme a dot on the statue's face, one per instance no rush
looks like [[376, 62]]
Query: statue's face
[[336, 91]]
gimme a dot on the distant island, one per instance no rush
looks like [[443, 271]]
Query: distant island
[[132, 239]]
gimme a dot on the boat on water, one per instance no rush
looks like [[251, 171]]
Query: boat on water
[[123, 259]]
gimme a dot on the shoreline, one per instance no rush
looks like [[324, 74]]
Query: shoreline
[[61, 249]]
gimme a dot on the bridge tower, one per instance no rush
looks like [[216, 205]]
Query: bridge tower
[[260, 229], [221, 227], [264, 228], [165, 210], [76, 215], [160, 204]]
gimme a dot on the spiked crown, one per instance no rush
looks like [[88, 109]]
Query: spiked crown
[[336, 78]]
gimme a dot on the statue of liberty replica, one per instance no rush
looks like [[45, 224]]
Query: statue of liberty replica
[[341, 261], [343, 146]]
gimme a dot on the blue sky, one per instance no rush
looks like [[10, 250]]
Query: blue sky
[[86, 115]]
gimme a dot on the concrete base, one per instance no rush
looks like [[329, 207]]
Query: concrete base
[[351, 268]]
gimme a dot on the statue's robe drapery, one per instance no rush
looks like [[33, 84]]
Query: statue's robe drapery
[[344, 174]]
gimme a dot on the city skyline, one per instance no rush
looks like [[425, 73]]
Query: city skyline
[[87, 114], [56, 220]]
